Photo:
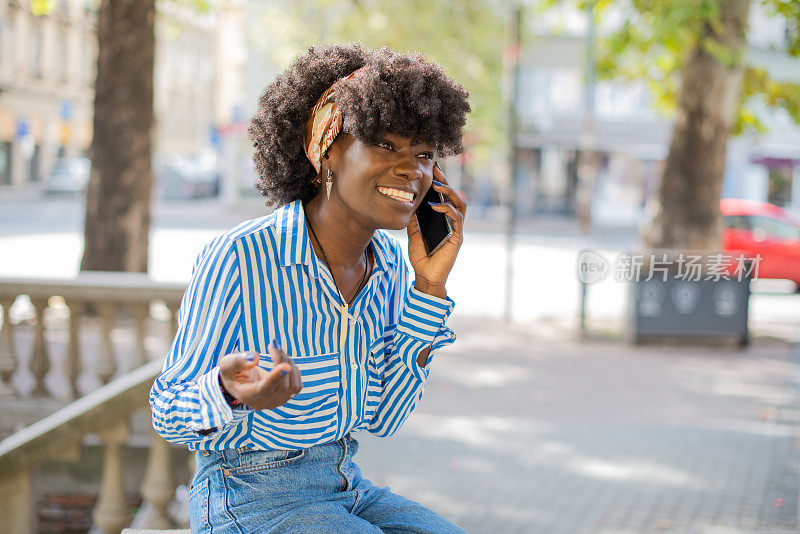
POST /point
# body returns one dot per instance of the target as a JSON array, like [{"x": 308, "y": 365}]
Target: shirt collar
[{"x": 294, "y": 245}]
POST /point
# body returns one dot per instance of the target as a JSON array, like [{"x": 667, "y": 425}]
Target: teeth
[{"x": 397, "y": 194}]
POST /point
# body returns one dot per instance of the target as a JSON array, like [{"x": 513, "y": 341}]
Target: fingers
[
  {"x": 451, "y": 195},
  {"x": 413, "y": 225},
  {"x": 296, "y": 383},
  {"x": 438, "y": 174},
  {"x": 455, "y": 216},
  {"x": 290, "y": 374},
  {"x": 440, "y": 184},
  {"x": 238, "y": 364},
  {"x": 281, "y": 362},
  {"x": 274, "y": 388}
]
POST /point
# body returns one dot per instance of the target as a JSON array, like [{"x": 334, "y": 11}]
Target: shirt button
[{"x": 354, "y": 366}]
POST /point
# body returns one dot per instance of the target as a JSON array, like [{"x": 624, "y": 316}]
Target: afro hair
[{"x": 402, "y": 94}]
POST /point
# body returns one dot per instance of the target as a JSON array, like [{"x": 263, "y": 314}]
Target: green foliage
[
  {"x": 789, "y": 10},
  {"x": 657, "y": 35},
  {"x": 197, "y": 6},
  {"x": 41, "y": 7},
  {"x": 44, "y": 7},
  {"x": 465, "y": 36},
  {"x": 759, "y": 88},
  {"x": 652, "y": 43}
]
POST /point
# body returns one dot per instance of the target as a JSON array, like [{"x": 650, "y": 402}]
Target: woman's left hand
[{"x": 432, "y": 271}]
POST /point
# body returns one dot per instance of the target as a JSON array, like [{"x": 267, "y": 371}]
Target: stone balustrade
[
  {"x": 93, "y": 327},
  {"x": 103, "y": 326}
]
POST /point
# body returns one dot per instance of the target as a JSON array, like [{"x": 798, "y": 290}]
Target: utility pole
[
  {"x": 587, "y": 164},
  {"x": 513, "y": 53}
]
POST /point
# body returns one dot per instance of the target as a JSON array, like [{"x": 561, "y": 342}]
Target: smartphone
[{"x": 435, "y": 227}]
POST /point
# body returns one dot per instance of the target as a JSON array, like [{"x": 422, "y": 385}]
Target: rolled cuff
[
  {"x": 423, "y": 315},
  {"x": 423, "y": 322},
  {"x": 214, "y": 411}
]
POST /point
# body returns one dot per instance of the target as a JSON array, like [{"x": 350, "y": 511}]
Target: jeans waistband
[{"x": 232, "y": 455}]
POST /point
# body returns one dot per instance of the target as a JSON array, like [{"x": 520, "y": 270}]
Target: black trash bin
[{"x": 709, "y": 305}]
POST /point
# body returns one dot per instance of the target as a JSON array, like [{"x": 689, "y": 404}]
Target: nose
[{"x": 409, "y": 167}]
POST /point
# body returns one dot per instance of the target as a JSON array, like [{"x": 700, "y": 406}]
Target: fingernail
[
  {"x": 250, "y": 356},
  {"x": 283, "y": 372},
  {"x": 438, "y": 182},
  {"x": 276, "y": 344},
  {"x": 434, "y": 203}
]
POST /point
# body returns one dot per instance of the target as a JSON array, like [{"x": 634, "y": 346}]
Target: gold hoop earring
[{"x": 329, "y": 184}]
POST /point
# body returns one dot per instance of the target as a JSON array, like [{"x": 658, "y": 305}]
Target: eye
[
  {"x": 426, "y": 155},
  {"x": 385, "y": 144}
]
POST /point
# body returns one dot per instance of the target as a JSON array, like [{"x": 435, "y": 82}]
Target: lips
[{"x": 397, "y": 194}]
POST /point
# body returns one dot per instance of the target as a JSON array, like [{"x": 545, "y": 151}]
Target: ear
[
  {"x": 329, "y": 162},
  {"x": 333, "y": 155}
]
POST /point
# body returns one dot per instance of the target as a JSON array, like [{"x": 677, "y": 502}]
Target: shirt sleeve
[
  {"x": 186, "y": 397},
  {"x": 416, "y": 321}
]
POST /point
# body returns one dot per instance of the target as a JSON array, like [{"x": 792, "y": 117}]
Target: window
[
  {"x": 35, "y": 50},
  {"x": 779, "y": 187},
  {"x": 6, "y": 44},
  {"x": 5, "y": 163},
  {"x": 62, "y": 49},
  {"x": 89, "y": 56},
  {"x": 34, "y": 164},
  {"x": 737, "y": 222},
  {"x": 566, "y": 90},
  {"x": 775, "y": 228}
]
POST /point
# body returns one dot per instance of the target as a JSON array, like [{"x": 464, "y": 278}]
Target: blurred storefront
[{"x": 630, "y": 138}]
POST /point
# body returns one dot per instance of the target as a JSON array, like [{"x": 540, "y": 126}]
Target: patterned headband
[{"x": 324, "y": 123}]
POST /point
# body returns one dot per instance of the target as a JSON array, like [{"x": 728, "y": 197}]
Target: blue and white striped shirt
[{"x": 262, "y": 280}]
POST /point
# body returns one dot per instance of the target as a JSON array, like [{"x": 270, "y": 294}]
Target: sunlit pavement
[
  {"x": 523, "y": 429},
  {"x": 521, "y": 433}
]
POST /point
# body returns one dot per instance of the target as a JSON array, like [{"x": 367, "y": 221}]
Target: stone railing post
[
  {"x": 40, "y": 363},
  {"x": 158, "y": 485},
  {"x": 106, "y": 364},
  {"x": 140, "y": 313},
  {"x": 72, "y": 363},
  {"x": 16, "y": 502},
  {"x": 112, "y": 512},
  {"x": 8, "y": 352}
]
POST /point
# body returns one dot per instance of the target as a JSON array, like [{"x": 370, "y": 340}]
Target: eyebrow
[{"x": 386, "y": 137}]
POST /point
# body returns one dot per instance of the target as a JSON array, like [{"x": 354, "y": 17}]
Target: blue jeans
[{"x": 316, "y": 491}]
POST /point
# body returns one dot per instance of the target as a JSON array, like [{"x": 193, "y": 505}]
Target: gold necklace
[{"x": 344, "y": 304}]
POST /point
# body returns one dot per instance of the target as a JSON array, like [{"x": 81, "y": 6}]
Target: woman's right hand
[{"x": 251, "y": 385}]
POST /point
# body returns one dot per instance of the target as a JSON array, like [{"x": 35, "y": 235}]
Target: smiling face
[{"x": 380, "y": 185}]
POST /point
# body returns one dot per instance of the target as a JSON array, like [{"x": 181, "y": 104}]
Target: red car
[{"x": 759, "y": 228}]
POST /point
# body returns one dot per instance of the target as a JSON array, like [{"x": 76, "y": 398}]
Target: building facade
[
  {"x": 47, "y": 75},
  {"x": 630, "y": 138}
]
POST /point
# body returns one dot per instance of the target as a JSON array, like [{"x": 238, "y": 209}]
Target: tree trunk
[
  {"x": 687, "y": 212},
  {"x": 118, "y": 195}
]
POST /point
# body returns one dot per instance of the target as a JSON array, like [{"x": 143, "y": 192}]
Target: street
[{"x": 42, "y": 237}]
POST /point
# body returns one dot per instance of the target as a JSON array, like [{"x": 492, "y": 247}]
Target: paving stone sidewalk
[{"x": 520, "y": 431}]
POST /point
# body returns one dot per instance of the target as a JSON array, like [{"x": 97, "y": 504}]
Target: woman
[{"x": 345, "y": 144}]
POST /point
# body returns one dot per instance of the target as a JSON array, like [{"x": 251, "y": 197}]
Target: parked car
[
  {"x": 759, "y": 228},
  {"x": 186, "y": 178},
  {"x": 69, "y": 175}
]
